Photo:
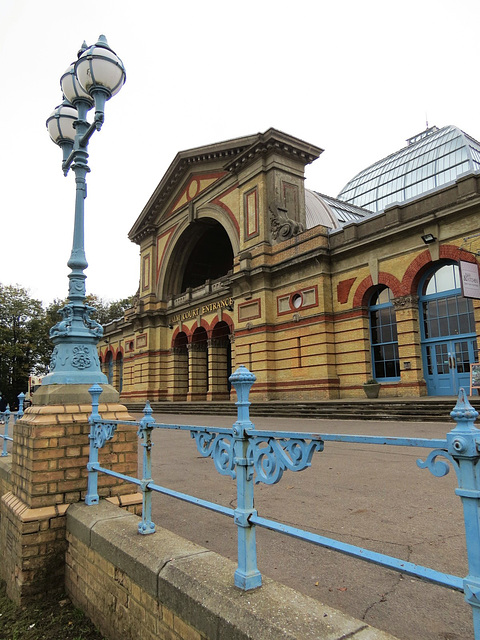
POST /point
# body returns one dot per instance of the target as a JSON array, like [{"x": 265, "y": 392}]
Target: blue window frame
[{"x": 383, "y": 336}]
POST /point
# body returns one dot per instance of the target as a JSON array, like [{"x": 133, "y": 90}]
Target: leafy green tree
[{"x": 22, "y": 333}]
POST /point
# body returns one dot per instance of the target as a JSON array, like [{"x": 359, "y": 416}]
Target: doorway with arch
[
  {"x": 202, "y": 363},
  {"x": 449, "y": 340}
]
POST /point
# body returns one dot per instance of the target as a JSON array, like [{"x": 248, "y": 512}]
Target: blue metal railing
[
  {"x": 252, "y": 456},
  {"x": 5, "y": 420}
]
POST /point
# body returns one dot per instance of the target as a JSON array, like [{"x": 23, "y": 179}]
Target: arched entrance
[
  {"x": 202, "y": 253},
  {"x": 449, "y": 341},
  {"x": 202, "y": 364}
]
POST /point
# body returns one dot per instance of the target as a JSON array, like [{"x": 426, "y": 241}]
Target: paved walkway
[{"x": 370, "y": 496}]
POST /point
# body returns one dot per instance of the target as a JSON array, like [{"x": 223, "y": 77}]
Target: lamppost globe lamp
[
  {"x": 71, "y": 87},
  {"x": 99, "y": 68},
  {"x": 61, "y": 128},
  {"x": 94, "y": 78}
]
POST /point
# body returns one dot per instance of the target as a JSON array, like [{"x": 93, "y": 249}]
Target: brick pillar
[
  {"x": 49, "y": 472},
  {"x": 409, "y": 347}
]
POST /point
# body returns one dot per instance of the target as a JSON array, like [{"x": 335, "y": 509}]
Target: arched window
[
  {"x": 109, "y": 367},
  {"x": 445, "y": 311},
  {"x": 120, "y": 371},
  {"x": 383, "y": 333}
]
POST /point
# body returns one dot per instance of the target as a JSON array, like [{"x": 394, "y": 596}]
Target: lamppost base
[{"x": 71, "y": 394}]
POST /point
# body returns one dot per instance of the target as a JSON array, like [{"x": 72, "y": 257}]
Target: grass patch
[{"x": 52, "y": 618}]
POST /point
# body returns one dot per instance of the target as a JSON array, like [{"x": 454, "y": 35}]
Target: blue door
[{"x": 448, "y": 366}]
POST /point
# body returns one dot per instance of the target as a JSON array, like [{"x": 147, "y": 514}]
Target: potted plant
[{"x": 371, "y": 388}]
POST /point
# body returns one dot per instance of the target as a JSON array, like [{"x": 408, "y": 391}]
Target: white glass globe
[
  {"x": 60, "y": 123},
  {"x": 71, "y": 87},
  {"x": 99, "y": 68}
]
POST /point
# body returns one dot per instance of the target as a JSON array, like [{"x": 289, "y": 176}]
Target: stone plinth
[{"x": 49, "y": 472}]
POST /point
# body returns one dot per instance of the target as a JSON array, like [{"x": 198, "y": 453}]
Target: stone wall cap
[{"x": 197, "y": 584}]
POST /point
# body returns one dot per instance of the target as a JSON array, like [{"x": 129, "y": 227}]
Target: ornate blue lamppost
[{"x": 96, "y": 76}]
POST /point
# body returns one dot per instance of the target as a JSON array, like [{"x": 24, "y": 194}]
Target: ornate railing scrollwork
[
  {"x": 272, "y": 456},
  {"x": 217, "y": 446},
  {"x": 101, "y": 433},
  {"x": 438, "y": 468}
]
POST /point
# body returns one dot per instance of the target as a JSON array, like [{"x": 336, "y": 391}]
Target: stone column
[
  {"x": 409, "y": 346},
  {"x": 179, "y": 373},
  {"x": 197, "y": 371},
  {"x": 217, "y": 369},
  {"x": 48, "y": 474}
]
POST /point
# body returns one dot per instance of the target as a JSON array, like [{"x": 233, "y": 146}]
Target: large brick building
[{"x": 240, "y": 264}]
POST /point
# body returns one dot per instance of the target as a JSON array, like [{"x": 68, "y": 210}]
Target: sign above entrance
[
  {"x": 470, "y": 279},
  {"x": 226, "y": 303}
]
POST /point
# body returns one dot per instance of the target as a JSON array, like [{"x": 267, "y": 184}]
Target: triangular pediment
[
  {"x": 187, "y": 176},
  {"x": 195, "y": 170}
]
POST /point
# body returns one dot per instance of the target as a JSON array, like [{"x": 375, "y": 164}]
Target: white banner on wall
[{"x": 470, "y": 278}]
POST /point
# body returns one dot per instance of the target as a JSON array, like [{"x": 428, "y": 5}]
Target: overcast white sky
[{"x": 355, "y": 78}]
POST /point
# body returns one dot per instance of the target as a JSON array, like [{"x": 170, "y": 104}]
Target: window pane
[
  {"x": 383, "y": 329},
  {"x": 445, "y": 279}
]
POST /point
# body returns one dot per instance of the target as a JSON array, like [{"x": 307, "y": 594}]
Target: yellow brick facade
[{"x": 294, "y": 305}]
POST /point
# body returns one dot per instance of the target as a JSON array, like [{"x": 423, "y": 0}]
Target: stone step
[{"x": 411, "y": 410}]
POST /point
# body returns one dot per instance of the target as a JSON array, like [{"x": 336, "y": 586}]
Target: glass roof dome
[
  {"x": 330, "y": 212},
  {"x": 431, "y": 160}
]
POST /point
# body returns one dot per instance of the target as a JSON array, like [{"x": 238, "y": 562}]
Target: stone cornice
[{"x": 278, "y": 142}]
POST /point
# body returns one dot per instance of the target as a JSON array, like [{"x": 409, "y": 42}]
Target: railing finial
[
  {"x": 242, "y": 381},
  {"x": 463, "y": 413},
  {"x": 95, "y": 391}
]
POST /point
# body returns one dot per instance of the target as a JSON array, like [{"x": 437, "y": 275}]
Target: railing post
[
  {"x": 463, "y": 445},
  {"x": 6, "y": 417},
  {"x": 146, "y": 526},
  {"x": 21, "y": 399},
  {"x": 247, "y": 575},
  {"x": 92, "y": 486}
]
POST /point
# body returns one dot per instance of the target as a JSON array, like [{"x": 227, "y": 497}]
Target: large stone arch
[{"x": 186, "y": 238}]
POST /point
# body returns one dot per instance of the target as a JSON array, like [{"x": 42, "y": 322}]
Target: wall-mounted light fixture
[
  {"x": 170, "y": 326},
  {"x": 428, "y": 238}
]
